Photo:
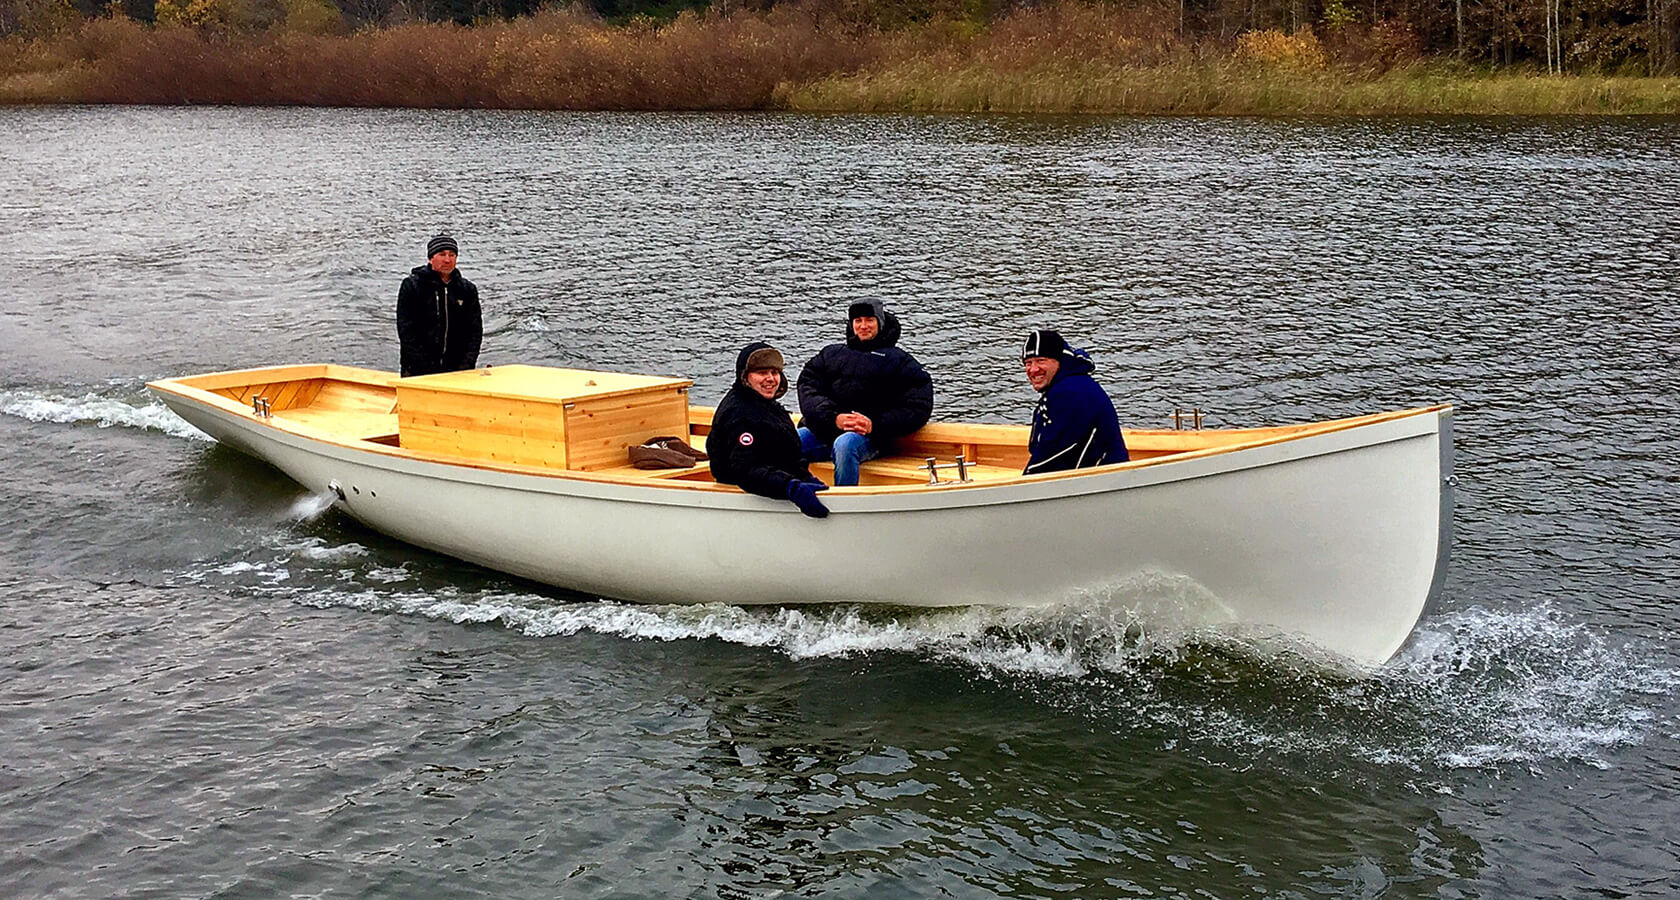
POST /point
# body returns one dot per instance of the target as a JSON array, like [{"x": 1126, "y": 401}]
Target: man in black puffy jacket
[
  {"x": 753, "y": 443},
  {"x": 439, "y": 323},
  {"x": 860, "y": 396}
]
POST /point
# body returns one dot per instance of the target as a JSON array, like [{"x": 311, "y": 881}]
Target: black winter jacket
[
  {"x": 753, "y": 443},
  {"x": 872, "y": 377},
  {"x": 439, "y": 323}
]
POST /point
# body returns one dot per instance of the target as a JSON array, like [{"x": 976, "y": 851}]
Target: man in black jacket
[
  {"x": 439, "y": 323},
  {"x": 860, "y": 396},
  {"x": 752, "y": 442}
]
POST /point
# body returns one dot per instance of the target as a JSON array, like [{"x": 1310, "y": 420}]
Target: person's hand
[
  {"x": 857, "y": 422},
  {"x": 804, "y": 495}
]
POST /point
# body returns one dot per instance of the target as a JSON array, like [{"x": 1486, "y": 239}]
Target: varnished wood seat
[{"x": 356, "y": 425}]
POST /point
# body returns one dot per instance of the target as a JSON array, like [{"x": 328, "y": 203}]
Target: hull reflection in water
[{"x": 1332, "y": 533}]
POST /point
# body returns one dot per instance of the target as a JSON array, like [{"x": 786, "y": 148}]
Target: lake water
[{"x": 212, "y": 686}]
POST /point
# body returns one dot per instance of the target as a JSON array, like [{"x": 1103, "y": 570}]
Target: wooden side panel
[
  {"x": 311, "y": 389},
  {"x": 222, "y": 381},
  {"x": 353, "y": 397},
  {"x": 478, "y": 427},
  {"x": 987, "y": 445},
  {"x": 285, "y": 395},
  {"x": 281, "y": 395},
  {"x": 240, "y": 386},
  {"x": 600, "y": 431}
]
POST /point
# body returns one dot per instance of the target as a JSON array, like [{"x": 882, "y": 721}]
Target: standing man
[
  {"x": 1074, "y": 425},
  {"x": 860, "y": 396},
  {"x": 752, "y": 442},
  {"x": 438, "y": 319}
]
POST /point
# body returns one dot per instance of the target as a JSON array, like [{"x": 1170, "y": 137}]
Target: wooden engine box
[{"x": 539, "y": 416}]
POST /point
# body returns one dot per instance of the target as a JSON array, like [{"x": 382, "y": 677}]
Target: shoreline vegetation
[{"x": 1060, "y": 56}]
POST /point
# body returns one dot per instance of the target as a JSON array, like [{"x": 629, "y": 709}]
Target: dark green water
[{"x": 211, "y": 687}]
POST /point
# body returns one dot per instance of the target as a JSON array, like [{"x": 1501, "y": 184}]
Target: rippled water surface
[{"x": 214, "y": 686}]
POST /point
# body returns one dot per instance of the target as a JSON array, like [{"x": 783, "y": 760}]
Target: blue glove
[{"x": 804, "y": 495}]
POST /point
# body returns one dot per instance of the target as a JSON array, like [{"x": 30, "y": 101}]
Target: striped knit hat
[
  {"x": 439, "y": 244},
  {"x": 1043, "y": 342}
]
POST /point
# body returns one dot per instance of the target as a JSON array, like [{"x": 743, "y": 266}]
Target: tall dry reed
[
  {"x": 557, "y": 60},
  {"x": 1056, "y": 57}
]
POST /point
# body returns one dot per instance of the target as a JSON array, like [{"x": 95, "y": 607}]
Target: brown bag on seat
[
  {"x": 664, "y": 452},
  {"x": 677, "y": 444}
]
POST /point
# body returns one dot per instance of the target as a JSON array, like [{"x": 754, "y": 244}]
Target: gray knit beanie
[{"x": 439, "y": 244}]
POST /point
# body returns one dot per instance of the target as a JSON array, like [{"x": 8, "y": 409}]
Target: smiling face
[
  {"x": 765, "y": 382},
  {"x": 1041, "y": 370},
  {"x": 866, "y": 327}
]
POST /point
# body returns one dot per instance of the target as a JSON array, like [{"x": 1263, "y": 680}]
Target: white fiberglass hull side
[{"x": 1336, "y": 538}]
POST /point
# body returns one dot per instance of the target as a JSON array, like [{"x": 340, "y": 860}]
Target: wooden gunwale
[{"x": 211, "y": 389}]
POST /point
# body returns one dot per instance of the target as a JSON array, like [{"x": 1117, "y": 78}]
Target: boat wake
[
  {"x": 95, "y": 409},
  {"x": 1475, "y": 688}
]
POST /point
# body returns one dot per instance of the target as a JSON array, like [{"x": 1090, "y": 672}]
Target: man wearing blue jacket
[{"x": 1074, "y": 425}]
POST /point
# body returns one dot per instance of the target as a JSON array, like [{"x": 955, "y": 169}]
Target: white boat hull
[{"x": 1338, "y": 540}]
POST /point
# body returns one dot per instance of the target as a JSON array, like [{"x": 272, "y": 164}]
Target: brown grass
[
  {"x": 1061, "y": 57},
  {"x": 557, "y": 60}
]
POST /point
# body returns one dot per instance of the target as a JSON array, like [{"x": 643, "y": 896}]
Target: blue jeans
[{"x": 850, "y": 450}]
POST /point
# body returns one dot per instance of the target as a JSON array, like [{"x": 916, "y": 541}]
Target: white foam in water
[
  {"x": 389, "y": 575},
  {"x": 267, "y": 574},
  {"x": 318, "y": 549},
  {"x": 1475, "y": 688},
  {"x": 1530, "y": 685},
  {"x": 93, "y": 409},
  {"x": 1058, "y": 642}
]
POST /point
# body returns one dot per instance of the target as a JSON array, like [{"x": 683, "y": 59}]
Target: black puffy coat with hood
[
  {"x": 873, "y": 377},
  {"x": 753, "y": 443},
  {"x": 439, "y": 323}
]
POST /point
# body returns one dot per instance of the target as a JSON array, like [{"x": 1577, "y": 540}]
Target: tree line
[{"x": 1621, "y": 37}]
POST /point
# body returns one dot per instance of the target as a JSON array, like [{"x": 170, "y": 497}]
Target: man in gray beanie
[{"x": 439, "y": 323}]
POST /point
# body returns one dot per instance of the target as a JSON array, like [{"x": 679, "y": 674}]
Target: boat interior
[{"x": 526, "y": 417}]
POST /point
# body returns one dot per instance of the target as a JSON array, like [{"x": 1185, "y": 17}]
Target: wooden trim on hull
[{"x": 353, "y": 407}]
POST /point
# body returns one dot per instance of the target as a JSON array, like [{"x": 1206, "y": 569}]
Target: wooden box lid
[{"x": 541, "y": 383}]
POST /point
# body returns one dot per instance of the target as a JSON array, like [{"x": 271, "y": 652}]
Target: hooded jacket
[
  {"x": 753, "y": 443},
  {"x": 1074, "y": 424},
  {"x": 439, "y": 324},
  {"x": 872, "y": 377}
]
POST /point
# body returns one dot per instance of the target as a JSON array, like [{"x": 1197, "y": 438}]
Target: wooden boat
[{"x": 1333, "y": 533}]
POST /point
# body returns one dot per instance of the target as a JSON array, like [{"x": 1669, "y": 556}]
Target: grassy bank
[
  {"x": 1222, "y": 88},
  {"x": 1067, "y": 57}
]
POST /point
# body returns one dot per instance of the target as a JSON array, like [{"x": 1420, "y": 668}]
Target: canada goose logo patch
[{"x": 746, "y": 439}]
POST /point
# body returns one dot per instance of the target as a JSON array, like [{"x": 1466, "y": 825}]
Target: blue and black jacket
[{"x": 1074, "y": 425}]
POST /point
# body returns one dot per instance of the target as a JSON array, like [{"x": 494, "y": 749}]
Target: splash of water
[
  {"x": 310, "y": 507},
  {"x": 93, "y": 409},
  {"x": 1475, "y": 688}
]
